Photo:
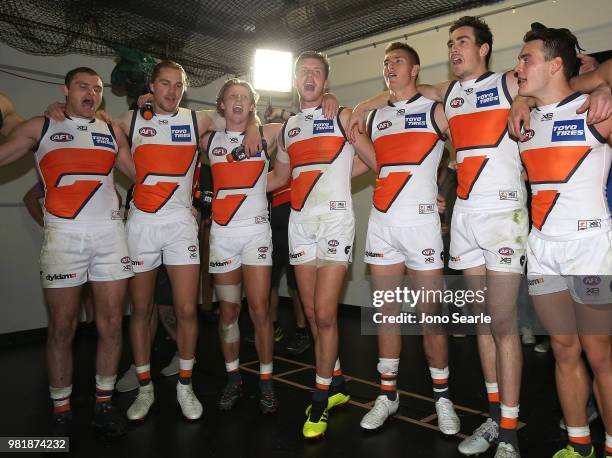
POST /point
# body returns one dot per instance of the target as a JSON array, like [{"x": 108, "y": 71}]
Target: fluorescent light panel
[{"x": 273, "y": 70}]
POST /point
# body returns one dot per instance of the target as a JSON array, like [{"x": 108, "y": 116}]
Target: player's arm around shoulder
[
  {"x": 124, "y": 162},
  {"x": 23, "y": 139}
]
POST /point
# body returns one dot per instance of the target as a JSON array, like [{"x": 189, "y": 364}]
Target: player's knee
[
  {"x": 185, "y": 311},
  {"x": 61, "y": 331},
  {"x": 259, "y": 312},
  {"x": 325, "y": 318},
  {"x": 229, "y": 293},
  {"x": 567, "y": 351},
  {"x": 599, "y": 358}
]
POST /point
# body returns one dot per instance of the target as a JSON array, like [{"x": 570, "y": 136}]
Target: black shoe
[
  {"x": 107, "y": 421},
  {"x": 230, "y": 397},
  {"x": 278, "y": 336},
  {"x": 299, "y": 344},
  {"x": 268, "y": 402},
  {"x": 62, "y": 425}
]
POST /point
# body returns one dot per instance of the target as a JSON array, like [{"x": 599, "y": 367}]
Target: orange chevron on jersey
[
  {"x": 312, "y": 151},
  {"x": 66, "y": 201},
  {"x": 233, "y": 175},
  {"x": 159, "y": 161},
  {"x": 390, "y": 151},
  {"x": 550, "y": 165},
  {"x": 482, "y": 129},
  {"x": 468, "y": 172}
]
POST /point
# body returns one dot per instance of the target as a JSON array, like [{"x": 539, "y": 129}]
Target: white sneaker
[
  {"x": 542, "y": 347},
  {"x": 383, "y": 409},
  {"x": 143, "y": 402},
  {"x": 128, "y": 381},
  {"x": 481, "y": 439},
  {"x": 191, "y": 407},
  {"x": 172, "y": 368},
  {"x": 527, "y": 336},
  {"x": 505, "y": 450},
  {"x": 448, "y": 421}
]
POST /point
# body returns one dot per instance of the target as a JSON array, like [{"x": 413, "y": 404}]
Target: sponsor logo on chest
[
  {"x": 180, "y": 133},
  {"x": 103, "y": 140},
  {"x": 570, "y": 130},
  {"x": 322, "y": 126},
  {"x": 487, "y": 98},
  {"x": 418, "y": 120}
]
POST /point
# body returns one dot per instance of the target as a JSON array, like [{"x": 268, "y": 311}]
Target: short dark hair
[
  {"x": 168, "y": 64},
  {"x": 482, "y": 32},
  {"x": 558, "y": 43},
  {"x": 398, "y": 45},
  {"x": 314, "y": 55},
  {"x": 235, "y": 82},
  {"x": 72, "y": 73}
]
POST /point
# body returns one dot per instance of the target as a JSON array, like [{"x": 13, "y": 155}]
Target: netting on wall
[{"x": 209, "y": 38}]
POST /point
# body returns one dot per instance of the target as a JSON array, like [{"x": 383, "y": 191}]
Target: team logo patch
[
  {"x": 546, "y": 117},
  {"x": 508, "y": 195},
  {"x": 322, "y": 126},
  {"x": 293, "y": 132},
  {"x": 126, "y": 260},
  {"x": 103, "y": 140},
  {"x": 487, "y": 98},
  {"x": 262, "y": 249},
  {"x": 570, "y": 130},
  {"x": 192, "y": 248},
  {"x": 62, "y": 137},
  {"x": 333, "y": 243},
  {"x": 415, "y": 120},
  {"x": 506, "y": 251},
  {"x": 337, "y": 205},
  {"x": 180, "y": 133},
  {"x": 147, "y": 132},
  {"x": 219, "y": 151},
  {"x": 591, "y": 280},
  {"x": 82, "y": 128},
  {"x": 457, "y": 102},
  {"x": 384, "y": 125},
  {"x": 234, "y": 140},
  {"x": 309, "y": 117},
  {"x": 428, "y": 252}
]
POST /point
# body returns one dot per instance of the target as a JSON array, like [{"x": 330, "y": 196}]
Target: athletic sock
[
  {"x": 439, "y": 377},
  {"x": 61, "y": 399},
  {"x": 319, "y": 397},
  {"x": 494, "y": 405},
  {"x": 233, "y": 372},
  {"x": 265, "y": 376},
  {"x": 185, "y": 370},
  {"x": 105, "y": 384},
  {"x": 337, "y": 380},
  {"x": 144, "y": 374},
  {"x": 580, "y": 439},
  {"x": 387, "y": 368},
  {"x": 508, "y": 425},
  {"x": 608, "y": 446}
]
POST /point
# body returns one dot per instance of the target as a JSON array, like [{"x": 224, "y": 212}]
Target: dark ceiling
[{"x": 209, "y": 38}]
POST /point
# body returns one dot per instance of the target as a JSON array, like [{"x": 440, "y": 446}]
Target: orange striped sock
[
  {"x": 265, "y": 375},
  {"x": 439, "y": 377},
  {"x": 387, "y": 368},
  {"x": 143, "y": 373},
  {"x": 580, "y": 439},
  {"x": 61, "y": 399},
  {"x": 185, "y": 370},
  {"x": 105, "y": 384},
  {"x": 337, "y": 382},
  {"x": 508, "y": 424},
  {"x": 608, "y": 445}
]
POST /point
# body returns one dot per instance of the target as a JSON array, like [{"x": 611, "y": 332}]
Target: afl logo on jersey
[
  {"x": 62, "y": 137},
  {"x": 506, "y": 251},
  {"x": 219, "y": 151},
  {"x": 293, "y": 132},
  {"x": 384, "y": 125},
  {"x": 456, "y": 102},
  {"x": 591, "y": 280},
  {"x": 529, "y": 133},
  {"x": 147, "y": 132},
  {"x": 428, "y": 252}
]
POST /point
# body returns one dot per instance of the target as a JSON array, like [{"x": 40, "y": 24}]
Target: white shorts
[
  {"x": 230, "y": 247},
  {"x": 496, "y": 240},
  {"x": 584, "y": 266},
  {"x": 330, "y": 240},
  {"x": 418, "y": 247},
  {"x": 174, "y": 243},
  {"x": 71, "y": 258}
]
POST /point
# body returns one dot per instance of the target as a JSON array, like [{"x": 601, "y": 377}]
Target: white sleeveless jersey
[
  {"x": 488, "y": 163},
  {"x": 165, "y": 152},
  {"x": 321, "y": 161},
  {"x": 75, "y": 158},
  {"x": 239, "y": 187},
  {"x": 568, "y": 163},
  {"x": 408, "y": 146}
]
